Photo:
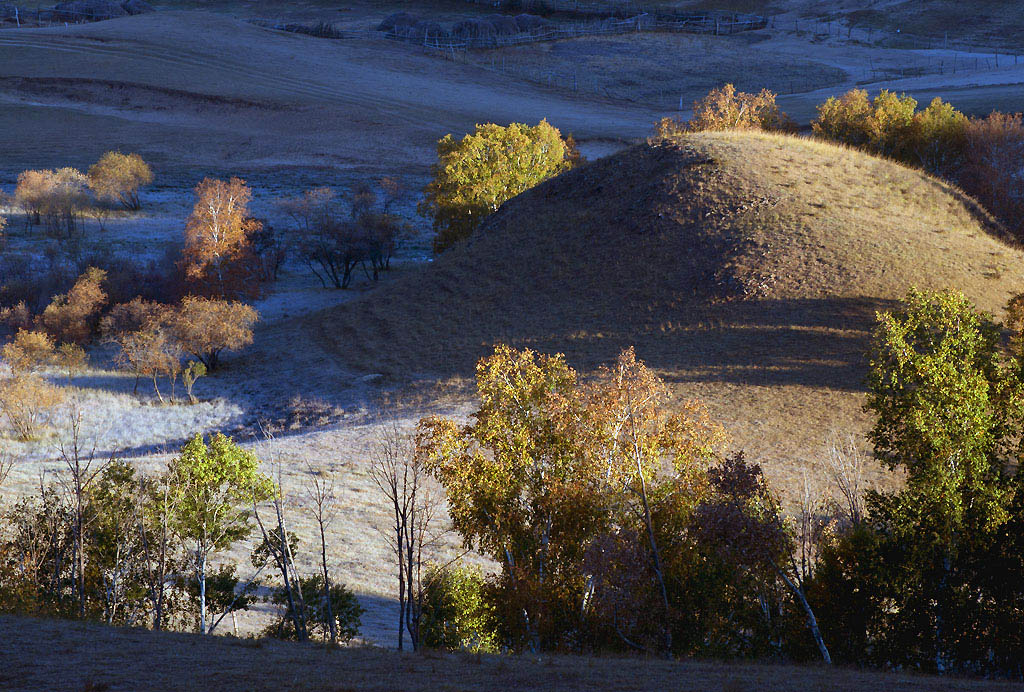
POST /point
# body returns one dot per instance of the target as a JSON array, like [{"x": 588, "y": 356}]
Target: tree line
[
  {"x": 617, "y": 517},
  {"x": 101, "y": 540},
  {"x": 620, "y": 522}
]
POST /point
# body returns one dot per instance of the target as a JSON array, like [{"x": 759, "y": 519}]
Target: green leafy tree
[
  {"x": 456, "y": 613},
  {"x": 475, "y": 176},
  {"x": 214, "y": 487},
  {"x": 114, "y": 547},
  {"x": 913, "y": 585}
]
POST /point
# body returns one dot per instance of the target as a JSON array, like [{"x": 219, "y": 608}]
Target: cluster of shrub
[
  {"x": 619, "y": 524},
  {"x": 154, "y": 340},
  {"x": 103, "y": 541},
  {"x": 981, "y": 155}
]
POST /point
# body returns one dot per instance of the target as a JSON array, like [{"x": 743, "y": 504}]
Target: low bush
[
  {"x": 456, "y": 615},
  {"x": 27, "y": 400}
]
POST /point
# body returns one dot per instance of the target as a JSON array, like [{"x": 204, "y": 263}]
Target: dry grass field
[
  {"x": 746, "y": 270},
  {"x": 88, "y": 658}
]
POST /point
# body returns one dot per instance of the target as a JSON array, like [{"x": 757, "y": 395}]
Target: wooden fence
[{"x": 696, "y": 23}]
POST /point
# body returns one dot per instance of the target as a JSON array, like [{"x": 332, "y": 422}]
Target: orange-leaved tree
[
  {"x": 218, "y": 260},
  {"x": 73, "y": 316},
  {"x": 204, "y": 327}
]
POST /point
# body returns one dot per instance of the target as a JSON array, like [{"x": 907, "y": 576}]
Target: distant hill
[{"x": 746, "y": 268}]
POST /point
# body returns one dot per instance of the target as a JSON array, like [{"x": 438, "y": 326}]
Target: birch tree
[{"x": 212, "y": 489}]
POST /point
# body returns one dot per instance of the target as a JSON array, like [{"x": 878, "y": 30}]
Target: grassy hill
[
  {"x": 746, "y": 268},
  {"x": 62, "y": 655}
]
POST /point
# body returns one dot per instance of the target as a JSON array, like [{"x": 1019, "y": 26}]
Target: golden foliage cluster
[
  {"x": 477, "y": 174},
  {"x": 118, "y": 177},
  {"x": 218, "y": 256},
  {"x": 728, "y": 109}
]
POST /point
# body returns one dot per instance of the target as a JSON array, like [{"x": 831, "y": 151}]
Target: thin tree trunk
[
  {"x": 812, "y": 622},
  {"x": 202, "y": 592},
  {"x": 655, "y": 553},
  {"x": 332, "y": 626}
]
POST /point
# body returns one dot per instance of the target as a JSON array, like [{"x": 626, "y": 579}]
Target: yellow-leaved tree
[
  {"x": 477, "y": 174},
  {"x": 117, "y": 177}
]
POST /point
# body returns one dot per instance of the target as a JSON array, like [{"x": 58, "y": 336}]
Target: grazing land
[{"x": 746, "y": 269}]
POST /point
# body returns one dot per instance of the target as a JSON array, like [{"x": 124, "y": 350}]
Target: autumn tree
[
  {"x": 66, "y": 197},
  {"x": 218, "y": 259},
  {"x": 74, "y": 316},
  {"x": 891, "y": 125},
  {"x": 31, "y": 193},
  {"x": 28, "y": 351},
  {"x": 521, "y": 489},
  {"x": 477, "y": 174},
  {"x": 147, "y": 345},
  {"x": 56, "y": 196},
  {"x": 727, "y": 109},
  {"x": 213, "y": 487},
  {"x": 650, "y": 455},
  {"x": 117, "y": 177},
  {"x": 205, "y": 327},
  {"x": 26, "y": 398}
]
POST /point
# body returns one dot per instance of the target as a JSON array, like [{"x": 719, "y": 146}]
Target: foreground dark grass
[{"x": 59, "y": 655}]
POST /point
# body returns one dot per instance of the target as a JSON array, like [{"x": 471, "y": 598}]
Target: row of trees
[
  {"x": 103, "y": 541},
  {"x": 60, "y": 197},
  {"x": 228, "y": 253},
  {"x": 981, "y": 155},
  {"x": 618, "y": 523}
]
